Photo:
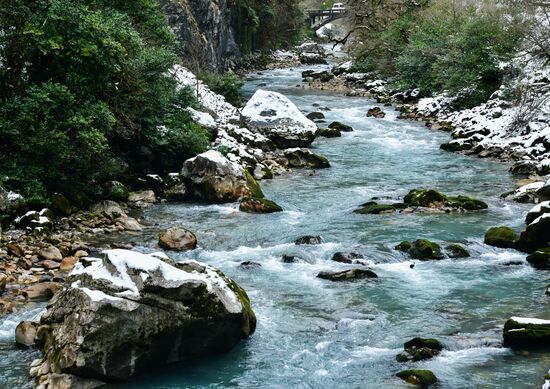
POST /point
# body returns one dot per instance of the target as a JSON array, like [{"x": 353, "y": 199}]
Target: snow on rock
[
  {"x": 130, "y": 311},
  {"x": 528, "y": 320},
  {"x": 276, "y": 117},
  {"x": 527, "y": 193}
]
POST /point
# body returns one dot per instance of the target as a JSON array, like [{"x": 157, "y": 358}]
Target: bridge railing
[{"x": 325, "y": 12}]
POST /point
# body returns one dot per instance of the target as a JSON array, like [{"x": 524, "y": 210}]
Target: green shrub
[{"x": 228, "y": 85}]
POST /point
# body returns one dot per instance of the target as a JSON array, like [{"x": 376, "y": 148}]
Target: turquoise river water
[{"x": 318, "y": 334}]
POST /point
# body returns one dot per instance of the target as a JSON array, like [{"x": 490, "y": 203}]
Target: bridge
[{"x": 320, "y": 17}]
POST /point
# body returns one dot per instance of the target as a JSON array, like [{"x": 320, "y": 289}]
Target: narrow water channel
[{"x": 314, "y": 333}]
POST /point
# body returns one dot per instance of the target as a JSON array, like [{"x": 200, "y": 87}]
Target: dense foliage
[
  {"x": 263, "y": 25},
  {"x": 439, "y": 45},
  {"x": 228, "y": 85},
  {"x": 85, "y": 96}
]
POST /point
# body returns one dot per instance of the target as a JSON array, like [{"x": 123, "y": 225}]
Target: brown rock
[
  {"x": 40, "y": 291},
  {"x": 81, "y": 253},
  {"x": 49, "y": 264},
  {"x": 24, "y": 263},
  {"x": 177, "y": 238},
  {"x": 6, "y": 307},
  {"x": 15, "y": 249},
  {"x": 51, "y": 252},
  {"x": 68, "y": 263},
  {"x": 25, "y": 332},
  {"x": 3, "y": 282},
  {"x": 376, "y": 112}
]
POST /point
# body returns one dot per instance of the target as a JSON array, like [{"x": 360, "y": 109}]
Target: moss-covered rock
[
  {"x": 347, "y": 275},
  {"x": 60, "y": 205},
  {"x": 457, "y": 251},
  {"x": 421, "y": 249},
  {"x": 253, "y": 186},
  {"x": 424, "y": 342},
  {"x": 258, "y": 205},
  {"x": 432, "y": 198},
  {"x": 540, "y": 259},
  {"x": 373, "y": 208},
  {"x": 418, "y": 349},
  {"x": 340, "y": 127},
  {"x": 424, "y": 198},
  {"x": 116, "y": 191},
  {"x": 304, "y": 158},
  {"x": 329, "y": 133},
  {"x": 526, "y": 333},
  {"x": 503, "y": 237},
  {"x": 423, "y": 378}
]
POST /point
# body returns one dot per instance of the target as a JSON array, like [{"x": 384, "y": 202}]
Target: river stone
[
  {"x": 537, "y": 211},
  {"x": 315, "y": 116},
  {"x": 178, "y": 239},
  {"x": 50, "y": 252},
  {"x": 376, "y": 112},
  {"x": 419, "y": 349},
  {"x": 42, "y": 291},
  {"x": 350, "y": 258},
  {"x": 67, "y": 264},
  {"x": 250, "y": 265},
  {"x": 329, "y": 133},
  {"x": 457, "y": 251},
  {"x": 536, "y": 235},
  {"x": 276, "y": 117},
  {"x": 116, "y": 191},
  {"x": 309, "y": 239},
  {"x": 503, "y": 237},
  {"x": 431, "y": 198},
  {"x": 108, "y": 208},
  {"x": 175, "y": 189},
  {"x": 421, "y": 249},
  {"x": 422, "y": 378},
  {"x": 304, "y": 158},
  {"x": 142, "y": 196},
  {"x": 347, "y": 275},
  {"x": 25, "y": 333},
  {"x": 256, "y": 205},
  {"x": 373, "y": 208},
  {"x": 340, "y": 127},
  {"x": 132, "y": 312},
  {"x": 520, "y": 333},
  {"x": 212, "y": 177}
]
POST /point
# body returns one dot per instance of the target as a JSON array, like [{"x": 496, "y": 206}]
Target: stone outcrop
[{"x": 126, "y": 312}]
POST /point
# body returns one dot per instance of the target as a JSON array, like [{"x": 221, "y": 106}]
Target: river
[{"x": 314, "y": 333}]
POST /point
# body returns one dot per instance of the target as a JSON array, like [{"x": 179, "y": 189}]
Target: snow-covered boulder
[
  {"x": 276, "y": 117},
  {"x": 212, "y": 177},
  {"x": 126, "y": 312},
  {"x": 523, "y": 332},
  {"x": 526, "y": 193},
  {"x": 537, "y": 234},
  {"x": 10, "y": 203}
]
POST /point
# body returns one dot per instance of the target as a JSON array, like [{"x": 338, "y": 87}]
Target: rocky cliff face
[{"x": 203, "y": 27}]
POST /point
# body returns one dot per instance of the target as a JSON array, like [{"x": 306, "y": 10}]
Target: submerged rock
[
  {"x": 258, "y": 205},
  {"x": 521, "y": 332},
  {"x": 276, "y": 117},
  {"x": 422, "y": 378},
  {"x": 329, "y": 133},
  {"x": 351, "y": 258},
  {"x": 250, "y": 265},
  {"x": 309, "y": 239},
  {"x": 503, "y": 237},
  {"x": 347, "y": 275},
  {"x": 419, "y": 349},
  {"x": 373, "y": 208},
  {"x": 178, "y": 239},
  {"x": 376, "y": 112},
  {"x": 212, "y": 177},
  {"x": 315, "y": 116},
  {"x": 340, "y": 127},
  {"x": 421, "y": 249},
  {"x": 431, "y": 198},
  {"x": 131, "y": 312},
  {"x": 304, "y": 158}
]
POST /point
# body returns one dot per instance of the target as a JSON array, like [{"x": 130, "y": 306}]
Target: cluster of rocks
[
  {"x": 424, "y": 250},
  {"x": 424, "y": 200},
  {"x": 419, "y": 349}
]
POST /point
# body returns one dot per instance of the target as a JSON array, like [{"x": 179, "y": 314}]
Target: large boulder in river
[
  {"x": 431, "y": 198},
  {"x": 347, "y": 275},
  {"x": 212, "y": 177},
  {"x": 421, "y": 249},
  {"x": 419, "y": 349},
  {"x": 127, "y": 312},
  {"x": 420, "y": 378},
  {"x": 503, "y": 237},
  {"x": 258, "y": 205},
  {"x": 522, "y": 332},
  {"x": 537, "y": 234},
  {"x": 276, "y": 117}
]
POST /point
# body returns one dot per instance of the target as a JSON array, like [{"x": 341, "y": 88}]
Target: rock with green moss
[
  {"x": 132, "y": 312},
  {"x": 431, "y": 198},
  {"x": 212, "y": 177},
  {"x": 422, "y": 378},
  {"x": 304, "y": 158},
  {"x": 60, "y": 205},
  {"x": 525, "y": 333},
  {"x": 373, "y": 208},
  {"x": 503, "y": 237},
  {"x": 340, "y": 127},
  {"x": 421, "y": 249},
  {"x": 457, "y": 251},
  {"x": 256, "y": 205},
  {"x": 329, "y": 133},
  {"x": 347, "y": 275},
  {"x": 116, "y": 191},
  {"x": 540, "y": 259},
  {"x": 419, "y": 349}
]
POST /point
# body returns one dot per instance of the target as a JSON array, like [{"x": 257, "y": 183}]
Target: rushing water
[{"x": 318, "y": 334}]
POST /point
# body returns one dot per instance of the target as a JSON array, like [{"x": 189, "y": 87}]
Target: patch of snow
[{"x": 528, "y": 320}]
